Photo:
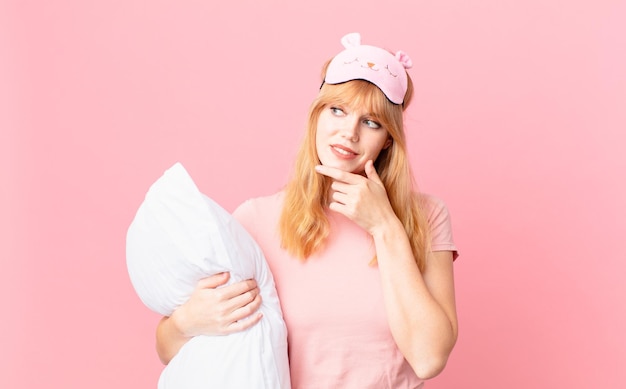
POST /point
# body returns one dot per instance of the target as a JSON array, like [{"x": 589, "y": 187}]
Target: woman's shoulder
[
  {"x": 433, "y": 205},
  {"x": 258, "y": 206},
  {"x": 263, "y": 202}
]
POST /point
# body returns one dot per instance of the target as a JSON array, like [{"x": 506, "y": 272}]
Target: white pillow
[{"x": 179, "y": 236}]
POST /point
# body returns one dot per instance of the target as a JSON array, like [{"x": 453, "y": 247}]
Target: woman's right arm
[{"x": 209, "y": 311}]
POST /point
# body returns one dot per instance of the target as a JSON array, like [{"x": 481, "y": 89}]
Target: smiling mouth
[{"x": 343, "y": 150}]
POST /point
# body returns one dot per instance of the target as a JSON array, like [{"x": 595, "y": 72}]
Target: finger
[
  {"x": 241, "y": 300},
  {"x": 244, "y": 324},
  {"x": 213, "y": 281},
  {"x": 339, "y": 208},
  {"x": 236, "y": 289},
  {"x": 371, "y": 173},
  {"x": 340, "y": 197},
  {"x": 247, "y": 309},
  {"x": 337, "y": 174},
  {"x": 340, "y": 187}
]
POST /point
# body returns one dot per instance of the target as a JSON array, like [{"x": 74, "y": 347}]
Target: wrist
[
  {"x": 178, "y": 323},
  {"x": 387, "y": 229}
]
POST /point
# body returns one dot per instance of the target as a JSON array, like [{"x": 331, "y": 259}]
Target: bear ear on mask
[{"x": 370, "y": 63}]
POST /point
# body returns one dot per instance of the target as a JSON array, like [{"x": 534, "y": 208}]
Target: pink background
[{"x": 518, "y": 124}]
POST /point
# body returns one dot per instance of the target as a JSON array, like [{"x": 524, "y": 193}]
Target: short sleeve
[
  {"x": 440, "y": 226},
  {"x": 259, "y": 214},
  {"x": 245, "y": 214}
]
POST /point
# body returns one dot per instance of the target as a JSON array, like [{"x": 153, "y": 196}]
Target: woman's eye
[
  {"x": 371, "y": 123},
  {"x": 337, "y": 111}
]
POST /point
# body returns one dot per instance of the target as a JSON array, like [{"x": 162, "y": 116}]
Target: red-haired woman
[{"x": 363, "y": 263}]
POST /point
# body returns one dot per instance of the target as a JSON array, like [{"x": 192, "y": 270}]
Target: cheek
[
  {"x": 377, "y": 144},
  {"x": 319, "y": 136},
  {"x": 323, "y": 131},
  {"x": 318, "y": 146},
  {"x": 320, "y": 141}
]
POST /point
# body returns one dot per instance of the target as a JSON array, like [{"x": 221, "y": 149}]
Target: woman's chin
[{"x": 345, "y": 166}]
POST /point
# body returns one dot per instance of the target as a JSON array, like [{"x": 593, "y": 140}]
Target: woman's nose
[{"x": 350, "y": 130}]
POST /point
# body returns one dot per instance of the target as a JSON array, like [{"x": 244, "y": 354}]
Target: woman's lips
[{"x": 343, "y": 152}]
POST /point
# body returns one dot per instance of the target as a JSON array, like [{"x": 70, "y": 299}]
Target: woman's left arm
[{"x": 421, "y": 307}]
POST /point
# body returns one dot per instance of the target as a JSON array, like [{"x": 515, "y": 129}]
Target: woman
[{"x": 362, "y": 264}]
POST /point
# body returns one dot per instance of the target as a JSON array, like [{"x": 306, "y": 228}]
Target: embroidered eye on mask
[{"x": 373, "y": 64}]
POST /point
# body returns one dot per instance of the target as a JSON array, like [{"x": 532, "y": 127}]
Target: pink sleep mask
[{"x": 370, "y": 63}]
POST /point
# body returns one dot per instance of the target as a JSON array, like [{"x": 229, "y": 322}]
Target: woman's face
[{"x": 347, "y": 137}]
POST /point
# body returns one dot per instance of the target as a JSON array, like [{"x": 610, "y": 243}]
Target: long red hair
[{"x": 303, "y": 225}]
